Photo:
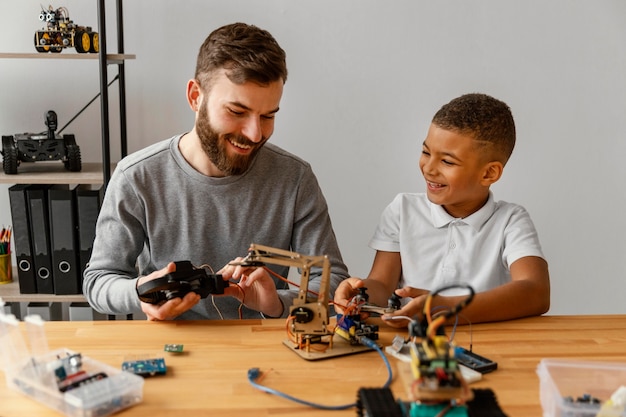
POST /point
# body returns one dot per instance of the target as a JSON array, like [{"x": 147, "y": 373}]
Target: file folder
[
  {"x": 21, "y": 239},
  {"x": 37, "y": 196},
  {"x": 88, "y": 202},
  {"x": 63, "y": 240}
]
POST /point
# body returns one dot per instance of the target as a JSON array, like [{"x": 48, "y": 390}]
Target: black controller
[{"x": 179, "y": 283}]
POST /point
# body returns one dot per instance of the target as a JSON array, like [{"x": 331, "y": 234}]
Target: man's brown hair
[{"x": 247, "y": 52}]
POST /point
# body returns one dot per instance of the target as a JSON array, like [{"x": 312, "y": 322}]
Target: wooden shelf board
[
  {"x": 10, "y": 293},
  {"x": 54, "y": 172},
  {"x": 64, "y": 55}
]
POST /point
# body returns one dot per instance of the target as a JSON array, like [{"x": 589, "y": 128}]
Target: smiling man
[{"x": 206, "y": 195}]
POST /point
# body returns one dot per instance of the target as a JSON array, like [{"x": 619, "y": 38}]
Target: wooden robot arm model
[{"x": 310, "y": 317}]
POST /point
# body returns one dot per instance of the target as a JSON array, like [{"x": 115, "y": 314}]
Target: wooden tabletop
[{"x": 210, "y": 376}]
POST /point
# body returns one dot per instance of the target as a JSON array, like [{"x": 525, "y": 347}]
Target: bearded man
[{"x": 206, "y": 195}]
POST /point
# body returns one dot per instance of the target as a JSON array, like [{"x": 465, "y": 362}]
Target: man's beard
[{"x": 214, "y": 144}]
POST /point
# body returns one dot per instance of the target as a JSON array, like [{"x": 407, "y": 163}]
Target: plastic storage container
[
  {"x": 101, "y": 397},
  {"x": 41, "y": 374},
  {"x": 570, "y": 388}
]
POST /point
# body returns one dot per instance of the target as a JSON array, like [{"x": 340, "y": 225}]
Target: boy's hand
[
  {"x": 411, "y": 292},
  {"x": 346, "y": 290},
  {"x": 412, "y": 309},
  {"x": 171, "y": 308}
]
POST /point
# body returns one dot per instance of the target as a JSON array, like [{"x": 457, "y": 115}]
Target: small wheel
[
  {"x": 72, "y": 161},
  {"x": 95, "y": 43},
  {"x": 44, "y": 42},
  {"x": 38, "y": 47},
  {"x": 9, "y": 156},
  {"x": 82, "y": 42}
]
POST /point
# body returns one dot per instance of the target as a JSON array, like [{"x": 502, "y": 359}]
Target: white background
[{"x": 365, "y": 78}]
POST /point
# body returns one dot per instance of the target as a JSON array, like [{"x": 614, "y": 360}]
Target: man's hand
[
  {"x": 170, "y": 309},
  {"x": 255, "y": 288}
]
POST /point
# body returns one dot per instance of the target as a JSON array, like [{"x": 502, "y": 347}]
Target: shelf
[
  {"x": 111, "y": 58},
  {"x": 54, "y": 172},
  {"x": 10, "y": 293}
]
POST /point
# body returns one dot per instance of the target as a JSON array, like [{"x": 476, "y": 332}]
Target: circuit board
[{"x": 146, "y": 367}]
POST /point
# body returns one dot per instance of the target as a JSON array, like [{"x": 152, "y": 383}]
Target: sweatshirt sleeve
[{"x": 110, "y": 279}]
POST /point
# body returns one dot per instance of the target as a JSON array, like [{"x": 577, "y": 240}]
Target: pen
[{"x": 5, "y": 241}]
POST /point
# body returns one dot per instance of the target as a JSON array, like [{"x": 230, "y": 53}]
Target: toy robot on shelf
[
  {"x": 46, "y": 146},
  {"x": 61, "y": 32}
]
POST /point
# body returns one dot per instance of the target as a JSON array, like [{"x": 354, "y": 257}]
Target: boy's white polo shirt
[{"x": 439, "y": 250}]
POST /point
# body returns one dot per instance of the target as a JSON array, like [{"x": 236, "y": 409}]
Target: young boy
[{"x": 456, "y": 233}]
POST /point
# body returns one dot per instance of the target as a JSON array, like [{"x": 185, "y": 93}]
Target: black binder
[
  {"x": 63, "y": 240},
  {"x": 88, "y": 201},
  {"x": 21, "y": 239},
  {"x": 37, "y": 197}
]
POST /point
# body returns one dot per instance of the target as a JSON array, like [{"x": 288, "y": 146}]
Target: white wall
[{"x": 365, "y": 79}]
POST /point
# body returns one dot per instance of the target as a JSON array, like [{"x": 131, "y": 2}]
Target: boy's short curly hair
[
  {"x": 247, "y": 52},
  {"x": 484, "y": 118}
]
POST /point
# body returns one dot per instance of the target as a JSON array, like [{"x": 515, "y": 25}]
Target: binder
[
  {"x": 21, "y": 239},
  {"x": 37, "y": 197},
  {"x": 63, "y": 240},
  {"x": 88, "y": 202}
]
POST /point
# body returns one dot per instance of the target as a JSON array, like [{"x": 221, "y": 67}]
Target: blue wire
[{"x": 254, "y": 373}]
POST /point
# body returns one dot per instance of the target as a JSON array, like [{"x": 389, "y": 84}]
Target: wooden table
[{"x": 210, "y": 377}]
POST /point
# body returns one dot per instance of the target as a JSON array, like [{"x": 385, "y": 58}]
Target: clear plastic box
[
  {"x": 570, "y": 388},
  {"x": 35, "y": 372}
]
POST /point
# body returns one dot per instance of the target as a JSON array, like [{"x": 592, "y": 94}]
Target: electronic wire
[
  {"x": 454, "y": 326},
  {"x": 255, "y": 373},
  {"x": 85, "y": 108},
  {"x": 216, "y": 308}
]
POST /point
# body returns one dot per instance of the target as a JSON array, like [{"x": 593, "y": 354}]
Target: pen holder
[{"x": 6, "y": 269}]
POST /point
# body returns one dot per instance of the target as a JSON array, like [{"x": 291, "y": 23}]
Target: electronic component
[
  {"x": 436, "y": 372},
  {"x": 399, "y": 349},
  {"x": 80, "y": 379},
  {"x": 173, "y": 348},
  {"x": 434, "y": 365},
  {"x": 360, "y": 304},
  {"x": 146, "y": 367},
  {"x": 69, "y": 373},
  {"x": 352, "y": 329},
  {"x": 309, "y": 318},
  {"x": 179, "y": 283},
  {"x": 393, "y": 304},
  {"x": 65, "y": 366},
  {"x": 437, "y": 383},
  {"x": 474, "y": 361}
]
